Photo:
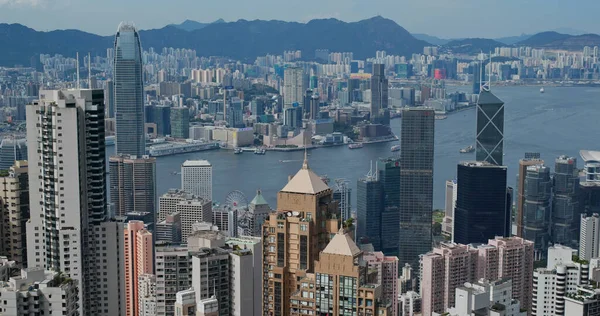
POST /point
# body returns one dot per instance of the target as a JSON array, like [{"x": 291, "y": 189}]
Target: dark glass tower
[
  {"x": 389, "y": 175},
  {"x": 129, "y": 92},
  {"x": 565, "y": 203},
  {"x": 379, "y": 95},
  {"x": 481, "y": 211},
  {"x": 369, "y": 206},
  {"x": 537, "y": 189},
  {"x": 416, "y": 184},
  {"x": 490, "y": 128}
]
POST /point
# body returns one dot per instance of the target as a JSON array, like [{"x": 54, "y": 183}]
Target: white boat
[
  {"x": 395, "y": 148},
  {"x": 542, "y": 90},
  {"x": 355, "y": 145},
  {"x": 237, "y": 151},
  {"x": 468, "y": 149},
  {"x": 260, "y": 151}
]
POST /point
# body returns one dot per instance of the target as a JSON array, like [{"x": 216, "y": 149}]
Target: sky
[{"x": 442, "y": 18}]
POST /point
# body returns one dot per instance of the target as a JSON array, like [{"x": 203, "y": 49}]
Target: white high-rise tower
[{"x": 196, "y": 178}]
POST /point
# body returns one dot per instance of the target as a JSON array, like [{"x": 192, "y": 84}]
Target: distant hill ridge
[{"x": 242, "y": 39}]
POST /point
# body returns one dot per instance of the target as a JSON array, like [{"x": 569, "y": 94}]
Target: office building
[
  {"x": 589, "y": 237},
  {"x": 450, "y": 204},
  {"x": 305, "y": 208},
  {"x": 147, "y": 294},
  {"x": 340, "y": 284},
  {"x": 38, "y": 291},
  {"x": 450, "y": 265},
  {"x": 65, "y": 133},
  {"x": 369, "y": 207},
  {"x": 293, "y": 87},
  {"x": 560, "y": 278},
  {"x": 486, "y": 298},
  {"x": 379, "y": 95},
  {"x": 180, "y": 122},
  {"x": 132, "y": 184},
  {"x": 292, "y": 117},
  {"x": 342, "y": 193},
  {"x": 109, "y": 99},
  {"x": 314, "y": 107},
  {"x": 14, "y": 206},
  {"x": 585, "y": 303},
  {"x": 169, "y": 230},
  {"x": 416, "y": 179},
  {"x": 225, "y": 218},
  {"x": 170, "y": 280},
  {"x": 191, "y": 209},
  {"x": 139, "y": 259},
  {"x": 536, "y": 207},
  {"x": 129, "y": 92},
  {"x": 387, "y": 275},
  {"x": 259, "y": 211},
  {"x": 162, "y": 118},
  {"x": 196, "y": 178},
  {"x": 490, "y": 128},
  {"x": 530, "y": 159},
  {"x": 12, "y": 150},
  {"x": 481, "y": 211},
  {"x": 388, "y": 173},
  {"x": 565, "y": 202}
]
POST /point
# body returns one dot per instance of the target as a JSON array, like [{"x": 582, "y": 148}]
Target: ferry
[
  {"x": 395, "y": 148},
  {"x": 355, "y": 145},
  {"x": 542, "y": 90},
  {"x": 179, "y": 148},
  {"x": 467, "y": 150},
  {"x": 238, "y": 151},
  {"x": 260, "y": 151}
]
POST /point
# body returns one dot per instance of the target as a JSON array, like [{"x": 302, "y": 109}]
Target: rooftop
[
  {"x": 342, "y": 244},
  {"x": 590, "y": 155},
  {"x": 482, "y": 164},
  {"x": 305, "y": 181},
  {"x": 487, "y": 97},
  {"x": 259, "y": 199},
  {"x": 196, "y": 163}
]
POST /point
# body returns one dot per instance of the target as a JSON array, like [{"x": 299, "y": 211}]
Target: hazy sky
[{"x": 443, "y": 18}]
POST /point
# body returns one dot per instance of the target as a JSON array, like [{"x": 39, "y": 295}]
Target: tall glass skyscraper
[
  {"x": 129, "y": 92},
  {"x": 481, "y": 211},
  {"x": 379, "y": 95},
  {"x": 389, "y": 175},
  {"x": 537, "y": 189},
  {"x": 565, "y": 203},
  {"x": 416, "y": 184},
  {"x": 490, "y": 128},
  {"x": 369, "y": 206}
]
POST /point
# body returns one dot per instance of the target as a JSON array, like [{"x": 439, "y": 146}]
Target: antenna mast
[
  {"x": 89, "y": 71},
  {"x": 77, "y": 65},
  {"x": 490, "y": 74}
]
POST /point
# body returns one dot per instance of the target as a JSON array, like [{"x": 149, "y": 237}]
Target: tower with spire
[
  {"x": 490, "y": 124},
  {"x": 293, "y": 235}
]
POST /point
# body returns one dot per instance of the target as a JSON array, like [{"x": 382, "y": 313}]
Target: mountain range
[
  {"x": 245, "y": 40},
  {"x": 242, "y": 40}
]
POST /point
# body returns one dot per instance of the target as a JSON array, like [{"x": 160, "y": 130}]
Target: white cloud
[{"x": 23, "y": 3}]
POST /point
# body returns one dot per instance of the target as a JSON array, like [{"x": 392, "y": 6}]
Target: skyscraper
[
  {"x": 379, "y": 95},
  {"x": 14, "y": 207},
  {"x": 369, "y": 206},
  {"x": 565, "y": 202},
  {"x": 196, "y": 178},
  {"x": 389, "y": 175},
  {"x": 293, "y": 87},
  {"x": 589, "y": 237},
  {"x": 490, "y": 128},
  {"x": 416, "y": 184},
  {"x": 109, "y": 99},
  {"x": 481, "y": 212},
  {"x": 65, "y": 130},
  {"x": 132, "y": 184},
  {"x": 305, "y": 209},
  {"x": 191, "y": 209},
  {"x": 12, "y": 150},
  {"x": 529, "y": 160},
  {"x": 536, "y": 208},
  {"x": 180, "y": 122},
  {"x": 129, "y": 92},
  {"x": 139, "y": 259}
]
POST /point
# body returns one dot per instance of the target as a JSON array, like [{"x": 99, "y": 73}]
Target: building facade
[
  {"x": 191, "y": 209},
  {"x": 416, "y": 179},
  {"x": 293, "y": 87},
  {"x": 490, "y": 128},
  {"x": 536, "y": 207},
  {"x": 129, "y": 92},
  {"x": 196, "y": 178},
  {"x": 388, "y": 173},
  {"x": 180, "y": 122},
  {"x": 132, "y": 184},
  {"x": 14, "y": 200},
  {"x": 369, "y": 207},
  {"x": 139, "y": 259},
  {"x": 565, "y": 202},
  {"x": 529, "y": 160},
  {"x": 589, "y": 237},
  {"x": 379, "y": 95}
]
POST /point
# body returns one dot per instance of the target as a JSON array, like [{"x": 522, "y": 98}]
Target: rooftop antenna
[
  {"x": 490, "y": 74},
  {"x": 89, "y": 71},
  {"x": 480, "y": 57},
  {"x": 77, "y": 65},
  {"x": 305, "y": 163}
]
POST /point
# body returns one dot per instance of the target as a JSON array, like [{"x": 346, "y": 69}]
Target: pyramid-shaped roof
[
  {"x": 487, "y": 97},
  {"x": 342, "y": 244},
  {"x": 259, "y": 199},
  {"x": 305, "y": 181}
]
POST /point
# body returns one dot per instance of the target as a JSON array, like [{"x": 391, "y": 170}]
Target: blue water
[{"x": 560, "y": 121}]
